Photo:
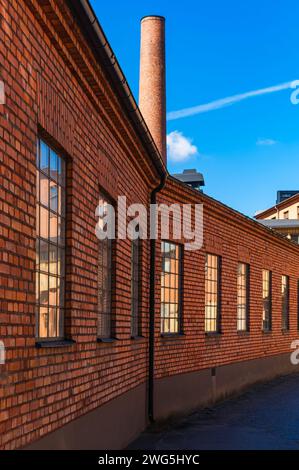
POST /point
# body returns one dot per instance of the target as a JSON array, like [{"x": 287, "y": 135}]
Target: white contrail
[{"x": 217, "y": 104}]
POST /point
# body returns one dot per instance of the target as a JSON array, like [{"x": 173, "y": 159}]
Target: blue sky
[{"x": 249, "y": 150}]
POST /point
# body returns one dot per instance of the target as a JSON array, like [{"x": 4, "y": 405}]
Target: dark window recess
[
  {"x": 267, "y": 300},
  {"x": 135, "y": 285},
  {"x": 285, "y": 290},
  {"x": 104, "y": 278}
]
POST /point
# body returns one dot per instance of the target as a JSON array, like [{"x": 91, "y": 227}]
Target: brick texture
[{"x": 55, "y": 88}]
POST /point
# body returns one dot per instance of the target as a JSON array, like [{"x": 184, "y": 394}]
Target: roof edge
[
  {"x": 92, "y": 30},
  {"x": 281, "y": 205}
]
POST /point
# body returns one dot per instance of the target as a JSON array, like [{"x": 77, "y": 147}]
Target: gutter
[
  {"x": 152, "y": 305},
  {"x": 89, "y": 24}
]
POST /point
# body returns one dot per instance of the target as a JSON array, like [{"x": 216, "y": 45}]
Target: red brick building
[{"x": 98, "y": 339}]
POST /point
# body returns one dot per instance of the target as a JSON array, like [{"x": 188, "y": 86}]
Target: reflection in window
[
  {"x": 243, "y": 297},
  {"x": 212, "y": 294},
  {"x": 171, "y": 288},
  {"x": 104, "y": 277},
  {"x": 50, "y": 242},
  {"x": 285, "y": 288},
  {"x": 267, "y": 300}
]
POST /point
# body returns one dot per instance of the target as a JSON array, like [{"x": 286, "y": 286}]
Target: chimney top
[{"x": 147, "y": 17}]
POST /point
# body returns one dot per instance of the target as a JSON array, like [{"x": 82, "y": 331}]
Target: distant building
[
  {"x": 283, "y": 195},
  {"x": 191, "y": 178},
  {"x": 284, "y": 216}
]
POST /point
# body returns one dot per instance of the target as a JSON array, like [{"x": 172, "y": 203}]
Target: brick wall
[
  {"x": 236, "y": 239},
  {"x": 48, "y": 94},
  {"x": 55, "y": 88}
]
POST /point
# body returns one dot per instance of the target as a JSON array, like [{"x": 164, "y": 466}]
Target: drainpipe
[{"x": 152, "y": 304}]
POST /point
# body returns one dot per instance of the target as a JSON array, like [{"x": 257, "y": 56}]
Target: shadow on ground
[{"x": 264, "y": 417}]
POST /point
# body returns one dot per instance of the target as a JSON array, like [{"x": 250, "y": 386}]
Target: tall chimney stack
[{"x": 152, "y": 95}]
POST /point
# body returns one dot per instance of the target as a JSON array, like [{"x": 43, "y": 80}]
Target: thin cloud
[
  {"x": 224, "y": 102},
  {"x": 266, "y": 142},
  {"x": 179, "y": 147}
]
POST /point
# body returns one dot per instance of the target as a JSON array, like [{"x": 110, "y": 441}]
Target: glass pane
[
  {"x": 59, "y": 321},
  {"x": 37, "y": 287},
  {"x": 61, "y": 262},
  {"x": 43, "y": 322},
  {"x": 37, "y": 221},
  {"x": 53, "y": 197},
  {"x": 52, "y": 291},
  {"x": 44, "y": 289},
  {"x": 44, "y": 190},
  {"x": 44, "y": 223},
  {"x": 37, "y": 184},
  {"x": 52, "y": 322},
  {"x": 53, "y": 259},
  {"x": 44, "y": 157},
  {"x": 53, "y": 165},
  {"x": 53, "y": 228},
  {"x": 37, "y": 253},
  {"x": 44, "y": 256}
]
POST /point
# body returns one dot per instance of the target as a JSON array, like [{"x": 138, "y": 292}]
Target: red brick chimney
[{"x": 152, "y": 95}]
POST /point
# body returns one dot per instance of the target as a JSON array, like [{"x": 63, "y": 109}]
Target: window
[
  {"x": 135, "y": 274},
  {"x": 212, "y": 293},
  {"x": 267, "y": 300},
  {"x": 297, "y": 212},
  {"x": 286, "y": 215},
  {"x": 243, "y": 297},
  {"x": 285, "y": 287},
  {"x": 104, "y": 279},
  {"x": 50, "y": 242},
  {"x": 171, "y": 288},
  {"x": 295, "y": 238}
]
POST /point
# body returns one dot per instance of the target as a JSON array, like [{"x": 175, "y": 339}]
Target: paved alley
[{"x": 265, "y": 417}]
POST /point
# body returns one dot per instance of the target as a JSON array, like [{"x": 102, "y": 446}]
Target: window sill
[
  {"x": 243, "y": 333},
  {"x": 63, "y": 343},
  {"x": 172, "y": 335},
  {"x": 216, "y": 334},
  {"x": 137, "y": 338},
  {"x": 106, "y": 340},
  {"x": 267, "y": 332},
  {"x": 285, "y": 331}
]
